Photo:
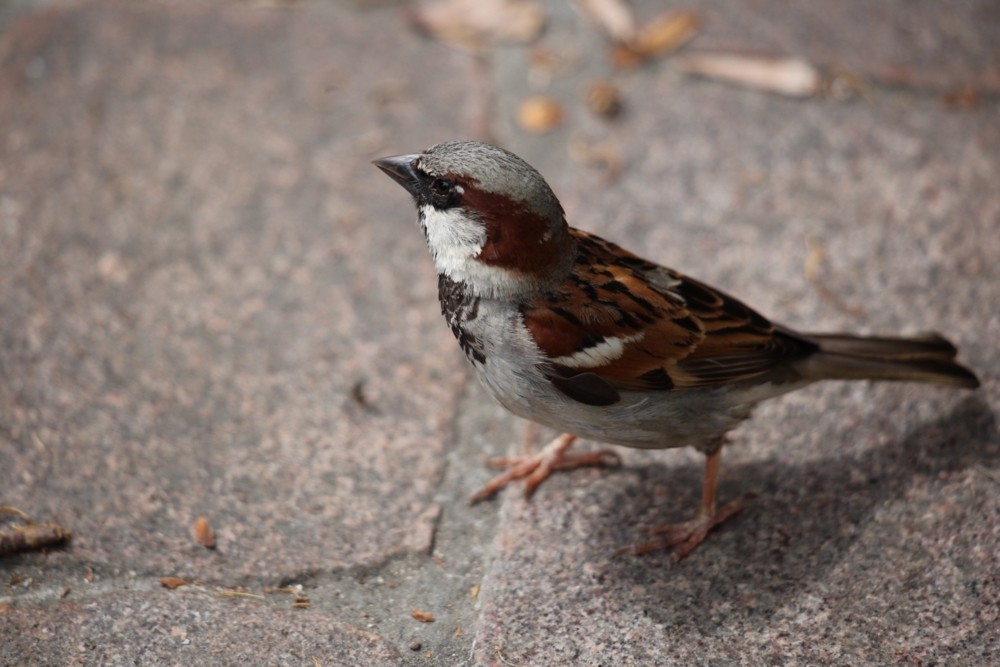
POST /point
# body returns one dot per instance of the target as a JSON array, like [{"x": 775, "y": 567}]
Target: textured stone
[
  {"x": 209, "y": 306},
  {"x": 873, "y": 535},
  {"x": 183, "y": 627},
  {"x": 212, "y": 305}
]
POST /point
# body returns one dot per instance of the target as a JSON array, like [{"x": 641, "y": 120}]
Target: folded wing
[{"x": 639, "y": 326}]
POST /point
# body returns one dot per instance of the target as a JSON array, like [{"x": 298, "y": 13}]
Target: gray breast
[{"x": 492, "y": 334}]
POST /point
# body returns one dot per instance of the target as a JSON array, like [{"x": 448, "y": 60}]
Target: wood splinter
[{"x": 32, "y": 536}]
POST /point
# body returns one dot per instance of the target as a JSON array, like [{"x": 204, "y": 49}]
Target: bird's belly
[
  {"x": 658, "y": 420},
  {"x": 510, "y": 366}
]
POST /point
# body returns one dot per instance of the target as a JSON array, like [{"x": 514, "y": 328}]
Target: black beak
[{"x": 401, "y": 169}]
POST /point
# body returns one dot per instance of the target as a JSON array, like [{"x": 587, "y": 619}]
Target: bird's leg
[
  {"x": 689, "y": 534},
  {"x": 537, "y": 467}
]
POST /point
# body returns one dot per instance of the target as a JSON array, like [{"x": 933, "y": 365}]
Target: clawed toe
[
  {"x": 605, "y": 457},
  {"x": 682, "y": 537},
  {"x": 538, "y": 467},
  {"x": 689, "y": 534},
  {"x": 685, "y": 536}
]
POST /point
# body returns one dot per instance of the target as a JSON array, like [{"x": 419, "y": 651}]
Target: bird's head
[{"x": 490, "y": 220}]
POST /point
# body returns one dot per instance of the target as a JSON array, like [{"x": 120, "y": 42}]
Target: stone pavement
[{"x": 211, "y": 305}]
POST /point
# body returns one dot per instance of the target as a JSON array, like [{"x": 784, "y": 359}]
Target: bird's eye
[{"x": 442, "y": 187}]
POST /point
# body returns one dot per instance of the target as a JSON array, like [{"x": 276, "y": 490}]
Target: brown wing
[{"x": 640, "y": 326}]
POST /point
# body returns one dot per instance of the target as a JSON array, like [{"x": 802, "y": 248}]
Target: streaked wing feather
[{"x": 669, "y": 331}]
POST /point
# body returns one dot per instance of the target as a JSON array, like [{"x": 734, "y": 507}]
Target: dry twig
[
  {"x": 226, "y": 593},
  {"x": 983, "y": 470},
  {"x": 792, "y": 77},
  {"x": 31, "y": 536},
  {"x": 814, "y": 261}
]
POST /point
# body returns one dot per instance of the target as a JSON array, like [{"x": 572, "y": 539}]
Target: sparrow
[{"x": 573, "y": 332}]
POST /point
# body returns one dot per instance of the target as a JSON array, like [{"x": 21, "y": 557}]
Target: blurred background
[{"x": 223, "y": 367}]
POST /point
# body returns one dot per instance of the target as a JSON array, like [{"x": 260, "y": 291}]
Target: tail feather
[
  {"x": 928, "y": 359},
  {"x": 925, "y": 346}
]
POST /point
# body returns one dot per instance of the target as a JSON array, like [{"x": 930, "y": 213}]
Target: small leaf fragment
[
  {"x": 604, "y": 99},
  {"x": 666, "y": 33},
  {"x": 172, "y": 582},
  {"x": 473, "y": 25},
  {"x": 204, "y": 533},
  {"x": 423, "y": 616},
  {"x": 540, "y": 114},
  {"x": 661, "y": 36},
  {"x": 613, "y": 16}
]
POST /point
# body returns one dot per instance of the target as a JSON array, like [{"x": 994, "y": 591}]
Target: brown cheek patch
[{"x": 515, "y": 236}]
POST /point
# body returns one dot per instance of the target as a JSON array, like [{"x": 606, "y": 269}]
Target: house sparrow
[{"x": 573, "y": 332}]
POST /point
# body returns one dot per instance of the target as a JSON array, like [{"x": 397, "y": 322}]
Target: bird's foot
[
  {"x": 686, "y": 535},
  {"x": 537, "y": 467}
]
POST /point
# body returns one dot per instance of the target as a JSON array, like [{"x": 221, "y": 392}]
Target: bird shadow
[{"x": 802, "y": 523}]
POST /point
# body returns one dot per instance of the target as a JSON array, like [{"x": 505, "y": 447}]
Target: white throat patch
[{"x": 455, "y": 240}]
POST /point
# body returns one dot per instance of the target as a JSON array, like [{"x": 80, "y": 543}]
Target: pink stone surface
[
  {"x": 212, "y": 305},
  {"x": 184, "y": 627}
]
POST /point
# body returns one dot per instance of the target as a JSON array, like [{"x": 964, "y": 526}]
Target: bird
[{"x": 573, "y": 332}]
